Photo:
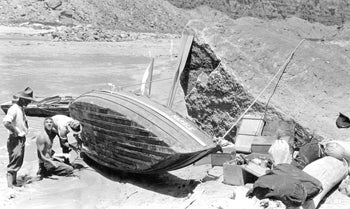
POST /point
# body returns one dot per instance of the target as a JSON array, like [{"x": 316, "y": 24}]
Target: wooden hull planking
[{"x": 134, "y": 134}]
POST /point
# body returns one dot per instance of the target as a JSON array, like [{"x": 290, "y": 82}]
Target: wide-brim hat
[
  {"x": 75, "y": 126},
  {"x": 27, "y": 93}
]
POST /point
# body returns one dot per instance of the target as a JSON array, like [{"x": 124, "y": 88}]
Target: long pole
[{"x": 283, "y": 67}]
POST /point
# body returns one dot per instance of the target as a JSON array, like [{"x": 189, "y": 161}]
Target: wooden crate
[
  {"x": 235, "y": 174},
  {"x": 251, "y": 126},
  {"x": 218, "y": 159},
  {"x": 262, "y": 144}
]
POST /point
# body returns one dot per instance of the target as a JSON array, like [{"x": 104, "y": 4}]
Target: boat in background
[
  {"x": 132, "y": 133},
  {"x": 45, "y": 107}
]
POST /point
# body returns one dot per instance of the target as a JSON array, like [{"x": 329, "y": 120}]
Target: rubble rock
[{"x": 53, "y": 4}]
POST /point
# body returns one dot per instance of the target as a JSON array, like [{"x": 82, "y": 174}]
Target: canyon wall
[{"x": 328, "y": 12}]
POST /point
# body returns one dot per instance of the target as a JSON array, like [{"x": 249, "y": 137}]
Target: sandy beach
[
  {"x": 72, "y": 68},
  {"x": 240, "y": 51}
]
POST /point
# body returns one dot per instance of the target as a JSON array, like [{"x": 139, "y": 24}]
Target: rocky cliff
[
  {"x": 232, "y": 61},
  {"x": 328, "y": 12},
  {"x": 129, "y": 15}
]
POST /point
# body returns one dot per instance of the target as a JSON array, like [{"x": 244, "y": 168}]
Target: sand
[{"x": 72, "y": 68}]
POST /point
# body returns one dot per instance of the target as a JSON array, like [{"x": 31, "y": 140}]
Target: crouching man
[
  {"x": 47, "y": 165},
  {"x": 62, "y": 126}
]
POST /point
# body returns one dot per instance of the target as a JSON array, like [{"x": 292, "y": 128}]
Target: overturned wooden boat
[
  {"x": 45, "y": 107},
  {"x": 132, "y": 133}
]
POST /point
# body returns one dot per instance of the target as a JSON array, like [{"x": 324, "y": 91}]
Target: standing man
[
  {"x": 47, "y": 164},
  {"x": 63, "y": 124},
  {"x": 16, "y": 122}
]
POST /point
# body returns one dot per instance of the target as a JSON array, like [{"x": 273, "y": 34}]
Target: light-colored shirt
[
  {"x": 62, "y": 124},
  {"x": 15, "y": 115}
]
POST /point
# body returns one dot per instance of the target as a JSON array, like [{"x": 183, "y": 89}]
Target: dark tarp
[
  {"x": 288, "y": 184},
  {"x": 308, "y": 153}
]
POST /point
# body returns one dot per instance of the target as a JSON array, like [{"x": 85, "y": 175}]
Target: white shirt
[
  {"x": 15, "y": 115},
  {"x": 62, "y": 124}
]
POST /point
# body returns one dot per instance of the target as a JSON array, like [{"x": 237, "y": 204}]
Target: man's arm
[
  {"x": 7, "y": 121},
  {"x": 11, "y": 128},
  {"x": 63, "y": 136},
  {"x": 41, "y": 143},
  {"x": 79, "y": 140}
]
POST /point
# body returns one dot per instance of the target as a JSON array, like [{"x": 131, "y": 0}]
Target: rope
[
  {"x": 256, "y": 99},
  {"x": 284, "y": 69}
]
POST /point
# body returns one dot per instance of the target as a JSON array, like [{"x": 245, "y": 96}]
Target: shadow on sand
[
  {"x": 165, "y": 183},
  {"x": 26, "y": 179}
]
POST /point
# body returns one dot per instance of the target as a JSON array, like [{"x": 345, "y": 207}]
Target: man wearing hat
[
  {"x": 63, "y": 125},
  {"x": 16, "y": 123}
]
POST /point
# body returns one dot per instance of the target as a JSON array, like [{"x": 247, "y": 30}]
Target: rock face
[
  {"x": 311, "y": 92},
  {"x": 132, "y": 15},
  {"x": 53, "y": 4},
  {"x": 328, "y": 12}
]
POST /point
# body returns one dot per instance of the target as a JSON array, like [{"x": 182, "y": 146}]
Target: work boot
[
  {"x": 10, "y": 180},
  {"x": 42, "y": 172},
  {"x": 14, "y": 182}
]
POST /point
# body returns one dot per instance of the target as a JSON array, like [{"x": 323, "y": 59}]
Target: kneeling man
[{"x": 47, "y": 165}]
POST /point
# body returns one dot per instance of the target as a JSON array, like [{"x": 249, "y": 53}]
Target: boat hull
[
  {"x": 46, "y": 107},
  {"x": 134, "y": 134}
]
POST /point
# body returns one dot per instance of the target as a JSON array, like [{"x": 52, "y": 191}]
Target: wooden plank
[
  {"x": 131, "y": 137},
  {"x": 138, "y": 153},
  {"x": 118, "y": 156},
  {"x": 181, "y": 51},
  {"x": 155, "y": 151},
  {"x": 162, "y": 140},
  {"x": 120, "y": 128},
  {"x": 152, "y": 111},
  {"x": 176, "y": 125},
  {"x": 153, "y": 118},
  {"x": 106, "y": 160},
  {"x": 113, "y": 119},
  {"x": 185, "y": 50}
]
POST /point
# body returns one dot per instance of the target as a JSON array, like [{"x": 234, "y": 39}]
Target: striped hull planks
[{"x": 132, "y": 133}]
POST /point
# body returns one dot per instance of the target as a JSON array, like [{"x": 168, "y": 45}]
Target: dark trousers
[
  {"x": 15, "y": 149},
  {"x": 62, "y": 169}
]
